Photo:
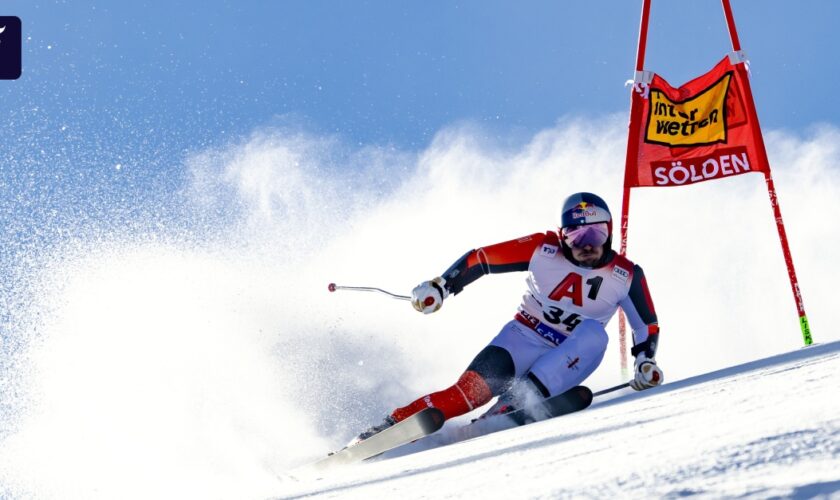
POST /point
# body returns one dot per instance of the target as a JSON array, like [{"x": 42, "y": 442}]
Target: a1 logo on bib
[
  {"x": 620, "y": 274},
  {"x": 549, "y": 250}
]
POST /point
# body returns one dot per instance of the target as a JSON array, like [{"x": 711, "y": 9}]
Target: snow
[
  {"x": 758, "y": 430},
  {"x": 204, "y": 357}
]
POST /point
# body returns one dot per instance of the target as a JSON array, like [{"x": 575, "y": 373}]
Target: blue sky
[
  {"x": 389, "y": 72},
  {"x": 114, "y": 95}
]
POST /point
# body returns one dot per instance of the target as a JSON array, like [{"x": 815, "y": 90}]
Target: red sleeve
[
  {"x": 505, "y": 257},
  {"x": 638, "y": 307}
]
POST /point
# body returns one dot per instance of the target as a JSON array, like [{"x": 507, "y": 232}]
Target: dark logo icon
[{"x": 10, "y": 48}]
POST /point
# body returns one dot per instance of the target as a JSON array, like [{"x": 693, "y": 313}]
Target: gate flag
[
  {"x": 707, "y": 129},
  {"x": 698, "y": 132}
]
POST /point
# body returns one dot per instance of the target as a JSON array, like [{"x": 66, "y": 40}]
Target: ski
[
  {"x": 431, "y": 420},
  {"x": 575, "y": 399},
  {"x": 412, "y": 428}
]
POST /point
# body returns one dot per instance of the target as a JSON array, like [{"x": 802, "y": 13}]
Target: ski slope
[
  {"x": 192, "y": 364},
  {"x": 762, "y": 429}
]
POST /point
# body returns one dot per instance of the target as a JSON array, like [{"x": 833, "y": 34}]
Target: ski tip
[{"x": 584, "y": 393}]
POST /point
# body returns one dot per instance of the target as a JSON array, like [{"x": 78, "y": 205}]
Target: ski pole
[
  {"x": 611, "y": 389},
  {"x": 333, "y": 287}
]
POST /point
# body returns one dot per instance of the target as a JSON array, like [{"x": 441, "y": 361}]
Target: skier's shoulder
[
  {"x": 621, "y": 260},
  {"x": 548, "y": 243},
  {"x": 548, "y": 237},
  {"x": 516, "y": 252},
  {"x": 622, "y": 267},
  {"x": 531, "y": 241}
]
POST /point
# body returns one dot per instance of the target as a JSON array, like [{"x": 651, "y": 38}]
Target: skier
[{"x": 557, "y": 338}]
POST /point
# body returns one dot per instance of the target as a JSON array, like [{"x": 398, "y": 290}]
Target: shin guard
[{"x": 470, "y": 392}]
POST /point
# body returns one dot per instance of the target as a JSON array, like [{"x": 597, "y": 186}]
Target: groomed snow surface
[{"x": 766, "y": 429}]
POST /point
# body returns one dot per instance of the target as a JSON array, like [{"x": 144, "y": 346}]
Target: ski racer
[{"x": 557, "y": 339}]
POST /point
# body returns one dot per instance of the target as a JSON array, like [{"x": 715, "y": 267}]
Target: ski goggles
[{"x": 593, "y": 235}]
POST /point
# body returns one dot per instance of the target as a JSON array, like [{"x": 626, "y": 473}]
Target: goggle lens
[{"x": 593, "y": 235}]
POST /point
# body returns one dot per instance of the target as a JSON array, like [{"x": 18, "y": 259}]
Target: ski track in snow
[{"x": 764, "y": 429}]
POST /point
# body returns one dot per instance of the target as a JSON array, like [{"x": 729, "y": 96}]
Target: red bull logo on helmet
[{"x": 583, "y": 210}]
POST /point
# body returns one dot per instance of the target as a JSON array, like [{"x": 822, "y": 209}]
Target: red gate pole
[
  {"x": 768, "y": 177},
  {"x": 631, "y": 159}
]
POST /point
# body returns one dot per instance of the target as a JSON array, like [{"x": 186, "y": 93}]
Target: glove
[
  {"x": 427, "y": 297},
  {"x": 647, "y": 373}
]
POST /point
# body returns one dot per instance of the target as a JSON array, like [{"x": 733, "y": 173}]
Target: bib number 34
[{"x": 556, "y": 316}]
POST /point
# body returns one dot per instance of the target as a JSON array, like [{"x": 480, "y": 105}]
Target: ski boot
[
  {"x": 388, "y": 421},
  {"x": 500, "y": 407}
]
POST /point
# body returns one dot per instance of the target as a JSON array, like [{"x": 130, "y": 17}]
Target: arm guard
[
  {"x": 638, "y": 306},
  {"x": 514, "y": 255}
]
